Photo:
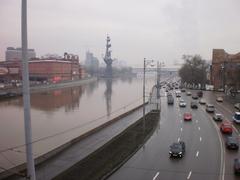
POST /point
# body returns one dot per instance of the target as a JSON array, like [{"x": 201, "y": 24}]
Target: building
[
  {"x": 15, "y": 54},
  {"x": 91, "y": 63},
  {"x": 225, "y": 70},
  {"x": 51, "y": 69}
]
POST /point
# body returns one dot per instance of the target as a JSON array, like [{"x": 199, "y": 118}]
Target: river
[{"x": 60, "y": 115}]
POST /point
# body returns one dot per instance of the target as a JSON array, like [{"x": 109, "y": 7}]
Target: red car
[
  {"x": 226, "y": 127},
  {"x": 187, "y": 116}
]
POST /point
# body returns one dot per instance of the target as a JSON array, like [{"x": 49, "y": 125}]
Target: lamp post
[
  {"x": 223, "y": 76},
  {"x": 145, "y": 63},
  {"x": 26, "y": 96},
  {"x": 159, "y": 65}
]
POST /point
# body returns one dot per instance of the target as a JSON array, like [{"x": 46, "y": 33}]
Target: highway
[{"x": 206, "y": 156}]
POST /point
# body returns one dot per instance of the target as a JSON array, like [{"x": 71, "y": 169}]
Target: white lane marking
[
  {"x": 200, "y": 139},
  {"x": 189, "y": 175},
  {"x": 197, "y": 153},
  {"x": 181, "y": 129},
  {"x": 178, "y": 139},
  {"x": 222, "y": 168},
  {"x": 199, "y": 128},
  {"x": 155, "y": 177}
]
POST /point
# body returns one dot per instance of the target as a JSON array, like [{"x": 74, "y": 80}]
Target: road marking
[
  {"x": 155, "y": 177},
  {"x": 200, "y": 139},
  {"x": 197, "y": 153},
  {"x": 189, "y": 175},
  {"x": 222, "y": 168},
  {"x": 178, "y": 139},
  {"x": 196, "y": 121},
  {"x": 199, "y": 128},
  {"x": 181, "y": 129}
]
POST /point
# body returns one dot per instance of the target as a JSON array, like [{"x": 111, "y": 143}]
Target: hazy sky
[{"x": 156, "y": 29}]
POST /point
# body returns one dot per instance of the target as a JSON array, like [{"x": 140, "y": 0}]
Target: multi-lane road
[{"x": 206, "y": 156}]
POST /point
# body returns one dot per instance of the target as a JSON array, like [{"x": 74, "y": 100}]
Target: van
[{"x": 170, "y": 100}]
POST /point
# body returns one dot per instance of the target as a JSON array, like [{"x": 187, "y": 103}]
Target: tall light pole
[
  {"x": 159, "y": 65},
  {"x": 26, "y": 96},
  {"x": 145, "y": 63}
]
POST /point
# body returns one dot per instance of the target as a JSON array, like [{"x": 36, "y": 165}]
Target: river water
[{"x": 61, "y": 115}]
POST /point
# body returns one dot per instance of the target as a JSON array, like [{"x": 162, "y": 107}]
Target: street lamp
[
  {"x": 159, "y": 65},
  {"x": 145, "y": 63},
  {"x": 223, "y": 76}
]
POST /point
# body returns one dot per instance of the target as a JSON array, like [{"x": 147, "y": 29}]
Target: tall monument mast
[{"x": 107, "y": 58}]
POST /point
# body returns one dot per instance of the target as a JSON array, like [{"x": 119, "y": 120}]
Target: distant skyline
[{"x": 162, "y": 30}]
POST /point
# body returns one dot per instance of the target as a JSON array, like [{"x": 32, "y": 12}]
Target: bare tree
[{"x": 193, "y": 70}]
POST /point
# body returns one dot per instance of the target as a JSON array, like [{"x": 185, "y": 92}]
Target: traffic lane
[
  {"x": 154, "y": 156},
  {"x": 205, "y": 148},
  {"x": 209, "y": 157},
  {"x": 230, "y": 155}
]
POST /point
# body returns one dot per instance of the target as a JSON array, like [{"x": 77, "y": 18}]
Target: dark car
[
  {"x": 177, "y": 149},
  {"x": 183, "y": 90},
  {"x": 194, "y": 105},
  {"x": 232, "y": 143},
  {"x": 195, "y": 96},
  {"x": 236, "y": 166},
  {"x": 200, "y": 93}
]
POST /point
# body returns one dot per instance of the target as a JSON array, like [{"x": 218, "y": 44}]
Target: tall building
[
  {"x": 15, "y": 54},
  {"x": 91, "y": 63}
]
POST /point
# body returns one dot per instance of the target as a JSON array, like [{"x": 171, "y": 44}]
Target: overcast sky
[{"x": 162, "y": 30}]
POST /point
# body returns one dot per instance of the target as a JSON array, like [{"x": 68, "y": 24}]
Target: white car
[
  {"x": 218, "y": 117},
  {"x": 189, "y": 93},
  {"x": 236, "y": 117},
  {"x": 210, "y": 108},
  {"x": 182, "y": 103},
  {"x": 202, "y": 101},
  {"x": 219, "y": 99}
]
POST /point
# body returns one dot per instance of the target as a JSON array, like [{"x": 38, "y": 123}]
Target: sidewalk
[{"x": 64, "y": 160}]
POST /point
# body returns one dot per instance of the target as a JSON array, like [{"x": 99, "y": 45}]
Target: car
[
  {"x": 210, "y": 108},
  {"x": 217, "y": 117},
  {"x": 219, "y": 99},
  {"x": 187, "y": 116},
  {"x": 232, "y": 143},
  {"x": 236, "y": 166},
  {"x": 236, "y": 117},
  {"x": 177, "y": 149},
  {"x": 194, "y": 96},
  {"x": 200, "y": 93},
  {"x": 189, "y": 93},
  {"x": 178, "y": 94},
  {"x": 202, "y": 101},
  {"x": 226, "y": 127},
  {"x": 183, "y": 90},
  {"x": 182, "y": 103},
  {"x": 194, "y": 105}
]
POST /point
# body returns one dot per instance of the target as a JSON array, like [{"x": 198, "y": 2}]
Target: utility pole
[{"x": 26, "y": 96}]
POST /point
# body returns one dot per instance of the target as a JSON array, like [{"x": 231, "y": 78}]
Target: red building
[
  {"x": 225, "y": 70},
  {"x": 50, "y": 69}
]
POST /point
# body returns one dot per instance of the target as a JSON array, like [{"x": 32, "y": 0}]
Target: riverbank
[{"x": 14, "y": 92}]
